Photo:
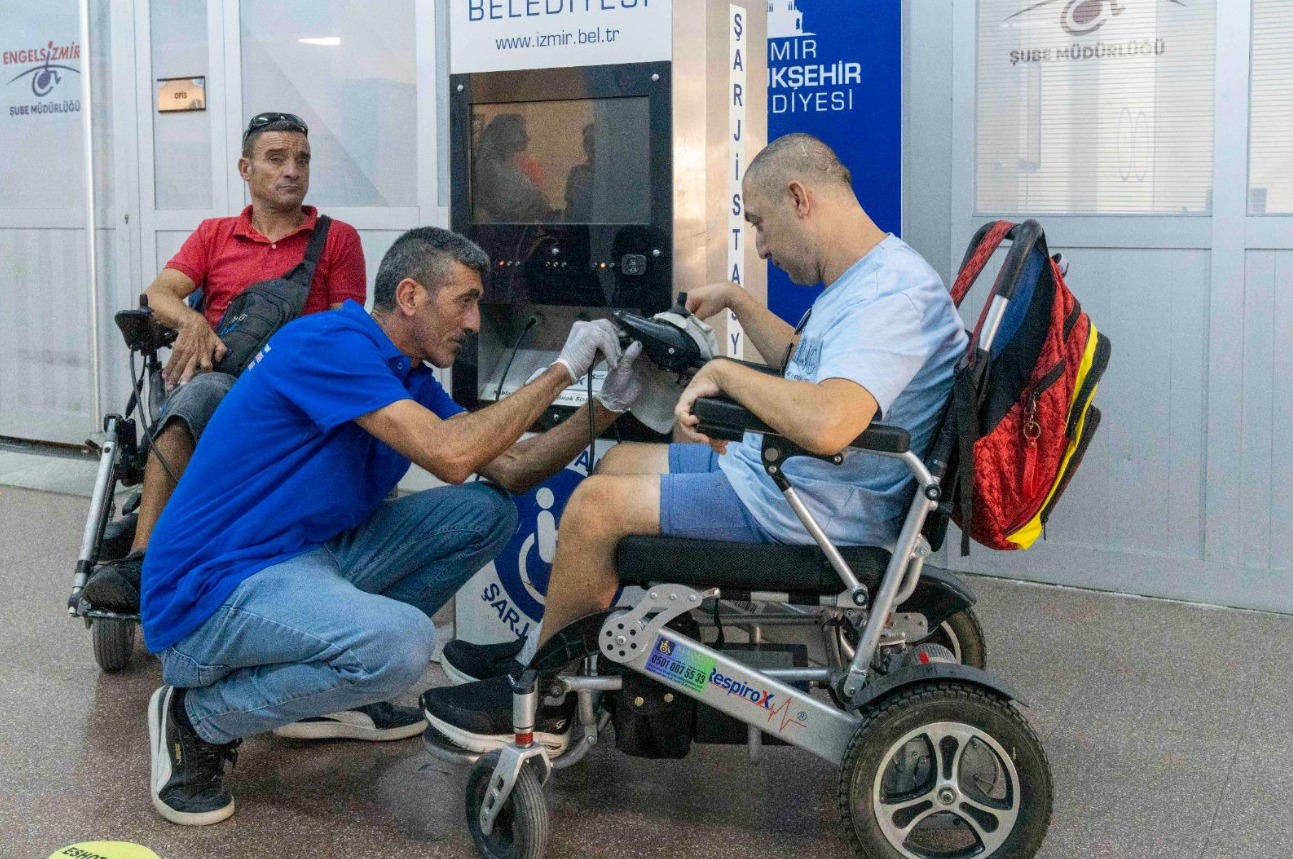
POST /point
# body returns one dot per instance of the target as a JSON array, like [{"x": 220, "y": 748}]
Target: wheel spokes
[
  {"x": 991, "y": 825},
  {"x": 971, "y": 781},
  {"x": 900, "y": 818}
]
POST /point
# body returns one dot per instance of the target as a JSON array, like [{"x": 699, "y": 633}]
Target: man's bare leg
[
  {"x": 603, "y": 510},
  {"x": 632, "y": 457},
  {"x": 175, "y": 443}
]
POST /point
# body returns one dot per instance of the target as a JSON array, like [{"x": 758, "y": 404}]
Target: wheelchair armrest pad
[
  {"x": 727, "y": 419},
  {"x": 762, "y": 368}
]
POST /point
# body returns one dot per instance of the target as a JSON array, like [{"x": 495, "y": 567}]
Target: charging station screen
[{"x": 578, "y": 161}]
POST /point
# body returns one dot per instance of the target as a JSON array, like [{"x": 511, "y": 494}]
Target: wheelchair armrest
[
  {"x": 724, "y": 418},
  {"x": 753, "y": 365}
]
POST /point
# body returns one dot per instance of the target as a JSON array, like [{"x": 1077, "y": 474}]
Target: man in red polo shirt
[{"x": 223, "y": 257}]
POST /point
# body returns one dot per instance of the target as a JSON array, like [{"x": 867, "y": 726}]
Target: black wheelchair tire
[
  {"x": 886, "y": 722},
  {"x": 522, "y": 826},
  {"x": 114, "y": 642},
  {"x": 963, "y": 635}
]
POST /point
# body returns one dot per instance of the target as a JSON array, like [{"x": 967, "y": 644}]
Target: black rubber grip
[{"x": 729, "y": 420}]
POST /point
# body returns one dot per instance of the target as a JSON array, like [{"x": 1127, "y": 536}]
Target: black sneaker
[
  {"x": 115, "y": 585},
  {"x": 478, "y": 716},
  {"x": 465, "y": 662},
  {"x": 188, "y": 772},
  {"x": 374, "y": 722}
]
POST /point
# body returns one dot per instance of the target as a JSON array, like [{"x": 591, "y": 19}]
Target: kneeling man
[
  {"x": 880, "y": 342},
  {"x": 283, "y": 591}
]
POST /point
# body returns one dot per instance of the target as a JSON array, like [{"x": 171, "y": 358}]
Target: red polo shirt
[{"x": 224, "y": 256}]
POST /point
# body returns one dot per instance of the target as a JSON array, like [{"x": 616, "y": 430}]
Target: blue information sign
[{"x": 835, "y": 71}]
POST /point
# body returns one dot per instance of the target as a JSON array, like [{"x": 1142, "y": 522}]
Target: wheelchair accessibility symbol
[
  {"x": 542, "y": 542},
  {"x": 45, "y": 76},
  {"x": 525, "y": 563}
]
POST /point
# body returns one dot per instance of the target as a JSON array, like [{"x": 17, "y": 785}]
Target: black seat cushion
[{"x": 743, "y": 566}]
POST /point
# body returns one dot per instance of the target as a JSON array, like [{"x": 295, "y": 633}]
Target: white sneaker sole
[
  {"x": 556, "y": 744},
  {"x": 334, "y": 730},
  {"x": 161, "y": 768}
]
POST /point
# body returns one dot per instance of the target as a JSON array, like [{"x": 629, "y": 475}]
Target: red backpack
[{"x": 1021, "y": 417}]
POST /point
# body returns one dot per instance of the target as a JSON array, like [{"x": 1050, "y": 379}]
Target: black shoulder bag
[{"x": 258, "y": 311}]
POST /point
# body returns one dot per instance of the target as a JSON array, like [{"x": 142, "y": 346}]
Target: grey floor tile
[
  {"x": 1142, "y": 705},
  {"x": 1139, "y": 796}
]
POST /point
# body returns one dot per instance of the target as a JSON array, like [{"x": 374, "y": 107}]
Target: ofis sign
[{"x": 503, "y": 35}]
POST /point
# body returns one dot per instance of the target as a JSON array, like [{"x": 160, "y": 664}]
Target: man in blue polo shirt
[{"x": 282, "y": 591}]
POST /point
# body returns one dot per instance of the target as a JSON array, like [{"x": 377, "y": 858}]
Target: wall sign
[
  {"x": 734, "y": 347},
  {"x": 505, "y": 600},
  {"x": 181, "y": 94},
  {"x": 40, "y": 106},
  {"x": 502, "y": 35},
  {"x": 835, "y": 71},
  {"x": 1095, "y": 107}
]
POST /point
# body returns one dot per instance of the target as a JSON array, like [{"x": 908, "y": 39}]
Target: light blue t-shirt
[{"x": 889, "y": 325}]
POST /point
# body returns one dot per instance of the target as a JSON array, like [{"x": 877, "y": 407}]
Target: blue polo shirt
[{"x": 282, "y": 467}]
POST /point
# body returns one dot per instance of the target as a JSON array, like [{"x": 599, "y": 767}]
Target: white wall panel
[
  {"x": 376, "y": 243},
  {"x": 1282, "y": 416},
  {"x": 44, "y": 350},
  {"x": 168, "y": 244},
  {"x": 1267, "y": 495}
]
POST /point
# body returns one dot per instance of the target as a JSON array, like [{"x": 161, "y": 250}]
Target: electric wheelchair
[
  {"x": 935, "y": 759},
  {"x": 123, "y": 454}
]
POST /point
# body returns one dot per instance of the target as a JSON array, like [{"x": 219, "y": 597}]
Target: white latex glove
[
  {"x": 586, "y": 340},
  {"x": 623, "y": 385}
]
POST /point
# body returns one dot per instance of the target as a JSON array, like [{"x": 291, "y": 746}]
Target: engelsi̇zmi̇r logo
[
  {"x": 47, "y": 75},
  {"x": 1084, "y": 17}
]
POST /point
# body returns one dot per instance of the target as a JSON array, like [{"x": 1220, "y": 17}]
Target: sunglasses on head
[{"x": 261, "y": 120}]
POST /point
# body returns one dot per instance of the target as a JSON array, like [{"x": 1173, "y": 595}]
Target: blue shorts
[{"x": 697, "y": 501}]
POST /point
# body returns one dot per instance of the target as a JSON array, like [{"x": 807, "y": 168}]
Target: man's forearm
[
  {"x": 481, "y": 437},
  {"x": 769, "y": 333},
  {"x": 533, "y": 460},
  {"x": 800, "y": 411},
  {"x": 169, "y": 309}
]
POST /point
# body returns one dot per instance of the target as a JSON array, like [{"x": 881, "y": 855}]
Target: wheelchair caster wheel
[
  {"x": 945, "y": 770},
  {"x": 521, "y": 828},
  {"x": 114, "y": 640}
]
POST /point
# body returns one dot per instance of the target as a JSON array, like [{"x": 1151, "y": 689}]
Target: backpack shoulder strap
[
  {"x": 988, "y": 239},
  {"x": 319, "y": 238},
  {"x": 302, "y": 274}
]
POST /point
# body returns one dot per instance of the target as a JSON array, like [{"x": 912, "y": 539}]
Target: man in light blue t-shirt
[{"x": 880, "y": 343}]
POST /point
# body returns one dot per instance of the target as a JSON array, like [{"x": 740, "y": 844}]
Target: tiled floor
[{"x": 1168, "y": 727}]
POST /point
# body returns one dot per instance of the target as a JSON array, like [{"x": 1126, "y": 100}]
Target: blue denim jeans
[{"x": 343, "y": 625}]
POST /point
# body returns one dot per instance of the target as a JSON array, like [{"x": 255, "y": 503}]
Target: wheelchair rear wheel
[
  {"x": 947, "y": 770},
  {"x": 521, "y": 828},
  {"x": 961, "y": 634},
  {"x": 114, "y": 641}
]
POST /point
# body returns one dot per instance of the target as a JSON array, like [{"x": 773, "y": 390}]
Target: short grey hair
[
  {"x": 427, "y": 255},
  {"x": 797, "y": 156}
]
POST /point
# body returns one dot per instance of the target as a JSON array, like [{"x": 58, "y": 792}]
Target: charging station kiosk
[{"x": 597, "y": 148}]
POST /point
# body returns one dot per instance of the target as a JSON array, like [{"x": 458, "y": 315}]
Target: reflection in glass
[
  {"x": 580, "y": 161},
  {"x": 349, "y": 70}
]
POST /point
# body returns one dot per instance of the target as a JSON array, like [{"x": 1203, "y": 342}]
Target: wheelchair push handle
[{"x": 727, "y": 419}]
